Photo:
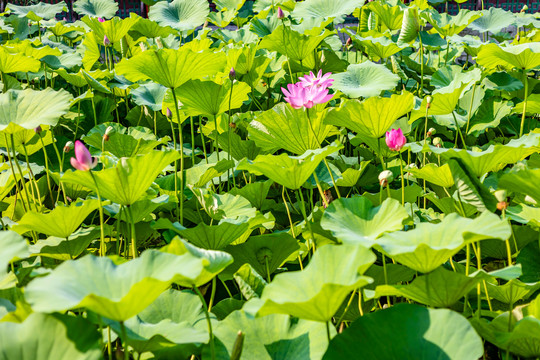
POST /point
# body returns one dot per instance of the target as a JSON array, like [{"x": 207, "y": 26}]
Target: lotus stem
[
  {"x": 21, "y": 173},
  {"x": 34, "y": 181},
  {"x": 213, "y": 294},
  {"x": 303, "y": 209},
  {"x": 217, "y": 136},
  {"x": 470, "y": 110},
  {"x": 124, "y": 340},
  {"x": 179, "y": 214},
  {"x": 402, "y": 180},
  {"x": 328, "y": 331},
  {"x": 458, "y": 129},
  {"x": 288, "y": 211},
  {"x": 17, "y": 188},
  {"x": 421, "y": 90},
  {"x": 206, "y": 312},
  {"x": 526, "y": 84},
  {"x": 102, "y": 248}
]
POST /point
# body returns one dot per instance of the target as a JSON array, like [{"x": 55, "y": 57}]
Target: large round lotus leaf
[
  {"x": 334, "y": 271},
  {"x": 356, "y": 221},
  {"x": 150, "y": 95},
  {"x": 151, "y": 29},
  {"x": 372, "y": 117},
  {"x": 365, "y": 80},
  {"x": 31, "y": 108},
  {"x": 96, "y": 8},
  {"x": 391, "y": 16},
  {"x": 13, "y": 247},
  {"x": 430, "y": 245},
  {"x": 513, "y": 291},
  {"x": 523, "y": 340},
  {"x": 447, "y": 25},
  {"x": 323, "y": 9},
  {"x": 43, "y": 337},
  {"x": 210, "y": 98},
  {"x": 522, "y": 181},
  {"x": 493, "y": 20},
  {"x": 115, "y": 29},
  {"x": 61, "y": 222},
  {"x": 283, "y": 127},
  {"x": 523, "y": 56},
  {"x": 182, "y": 15},
  {"x": 38, "y": 11},
  {"x": 407, "y": 331},
  {"x": 174, "y": 325},
  {"x": 270, "y": 337},
  {"x": 126, "y": 182},
  {"x": 438, "y": 175},
  {"x": 377, "y": 48},
  {"x": 171, "y": 68},
  {"x": 119, "y": 292}
]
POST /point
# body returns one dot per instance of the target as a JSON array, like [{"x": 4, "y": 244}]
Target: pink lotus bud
[
  {"x": 169, "y": 113},
  {"x": 100, "y": 19},
  {"x": 106, "y": 41},
  {"x": 83, "y": 160},
  {"x": 232, "y": 74},
  {"x": 38, "y": 129},
  {"x": 395, "y": 139},
  {"x": 280, "y": 14}
]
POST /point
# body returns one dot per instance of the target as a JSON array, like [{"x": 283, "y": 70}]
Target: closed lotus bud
[
  {"x": 431, "y": 132},
  {"x": 232, "y": 74},
  {"x": 238, "y": 346},
  {"x": 437, "y": 142},
  {"x": 280, "y": 14},
  {"x": 38, "y": 129},
  {"x": 530, "y": 200},
  {"x": 142, "y": 46},
  {"x": 159, "y": 43},
  {"x": 386, "y": 177},
  {"x": 323, "y": 58},
  {"x": 100, "y": 19},
  {"x": 69, "y": 145},
  {"x": 428, "y": 101},
  {"x": 106, "y": 41},
  {"x": 146, "y": 112},
  {"x": 108, "y": 131},
  {"x": 169, "y": 113},
  {"x": 205, "y": 25},
  {"x": 349, "y": 42}
]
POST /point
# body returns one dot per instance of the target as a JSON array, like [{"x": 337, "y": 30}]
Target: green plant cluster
[{"x": 204, "y": 217}]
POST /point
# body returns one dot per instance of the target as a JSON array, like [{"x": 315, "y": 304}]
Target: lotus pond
[{"x": 297, "y": 188}]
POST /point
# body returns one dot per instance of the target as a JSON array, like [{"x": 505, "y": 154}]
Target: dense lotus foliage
[{"x": 270, "y": 180}]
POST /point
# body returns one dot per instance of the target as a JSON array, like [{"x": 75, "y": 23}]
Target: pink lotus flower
[
  {"x": 100, "y": 19},
  {"x": 319, "y": 80},
  {"x": 395, "y": 139},
  {"x": 299, "y": 96},
  {"x": 83, "y": 160}
]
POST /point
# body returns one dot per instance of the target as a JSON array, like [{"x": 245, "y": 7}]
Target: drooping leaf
[{"x": 522, "y": 56}]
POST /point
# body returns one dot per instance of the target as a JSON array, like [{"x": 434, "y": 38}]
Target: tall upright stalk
[{"x": 526, "y": 83}]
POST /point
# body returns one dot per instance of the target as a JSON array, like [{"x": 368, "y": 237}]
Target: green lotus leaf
[
  {"x": 452, "y": 75},
  {"x": 372, "y": 117},
  {"x": 523, "y": 56},
  {"x": 210, "y": 98},
  {"x": 126, "y": 182},
  {"x": 281, "y": 38},
  {"x": 522, "y": 213},
  {"x": 172, "y": 326},
  {"x": 119, "y": 292},
  {"x": 115, "y": 29},
  {"x": 38, "y": 11},
  {"x": 26, "y": 48},
  {"x": 533, "y": 105},
  {"x": 27, "y": 141},
  {"x": 440, "y": 288},
  {"x": 438, "y": 175},
  {"x": 415, "y": 333},
  {"x": 202, "y": 173},
  {"x": 61, "y": 222},
  {"x": 389, "y": 16},
  {"x": 513, "y": 291},
  {"x": 92, "y": 52},
  {"x": 255, "y": 193},
  {"x": 216, "y": 237},
  {"x": 59, "y": 337},
  {"x": 151, "y": 29},
  {"x": 31, "y": 108},
  {"x": 258, "y": 250},
  {"x": 224, "y": 206},
  {"x": 489, "y": 114},
  {"x": 522, "y": 181},
  {"x": 67, "y": 249},
  {"x": 10, "y": 62},
  {"x": 123, "y": 142},
  {"x": 14, "y": 247},
  {"x": 222, "y": 5},
  {"x": 356, "y": 221},
  {"x": 334, "y": 271},
  {"x": 96, "y": 8},
  {"x": 182, "y": 15},
  {"x": 150, "y": 95},
  {"x": 289, "y": 171},
  {"x": 250, "y": 283},
  {"x": 430, "y": 245},
  {"x": 377, "y": 48},
  {"x": 493, "y": 20},
  {"x": 171, "y": 68},
  {"x": 283, "y": 127},
  {"x": 270, "y": 337},
  {"x": 139, "y": 210},
  {"x": 523, "y": 340},
  {"x": 321, "y": 9},
  {"x": 502, "y": 81},
  {"x": 365, "y": 80},
  {"x": 410, "y": 26},
  {"x": 447, "y": 25},
  {"x": 443, "y": 101},
  {"x": 60, "y": 29}
]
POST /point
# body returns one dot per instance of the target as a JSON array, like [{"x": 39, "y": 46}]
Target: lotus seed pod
[
  {"x": 431, "y": 132},
  {"x": 525, "y": 8},
  {"x": 501, "y": 195},
  {"x": 428, "y": 101},
  {"x": 502, "y": 205},
  {"x": 69, "y": 145},
  {"x": 108, "y": 131},
  {"x": 264, "y": 254},
  {"x": 438, "y": 142},
  {"x": 386, "y": 177}
]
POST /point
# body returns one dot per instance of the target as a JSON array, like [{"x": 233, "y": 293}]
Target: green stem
[
  {"x": 459, "y": 131},
  {"x": 17, "y": 188},
  {"x": 288, "y": 211},
  {"x": 402, "y": 180},
  {"x": 470, "y": 109},
  {"x": 21, "y": 173},
  {"x": 303, "y": 209},
  {"x": 178, "y": 216},
  {"x": 205, "y": 308},
  {"x": 328, "y": 331},
  {"x": 217, "y": 136},
  {"x": 421, "y": 90},
  {"x": 526, "y": 83},
  {"x": 213, "y": 294},
  {"x": 102, "y": 249},
  {"x": 124, "y": 340}
]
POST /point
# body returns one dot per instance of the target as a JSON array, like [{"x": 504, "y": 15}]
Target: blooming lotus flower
[
  {"x": 319, "y": 80},
  {"x": 100, "y": 19},
  {"x": 299, "y": 96},
  {"x": 83, "y": 160},
  {"x": 395, "y": 139}
]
